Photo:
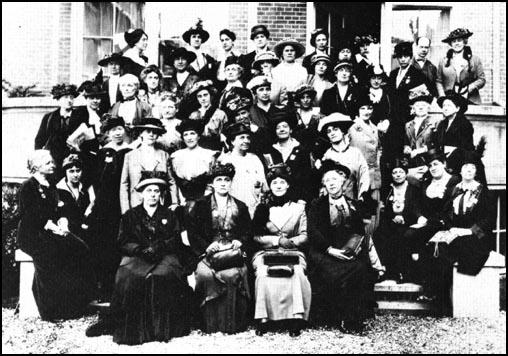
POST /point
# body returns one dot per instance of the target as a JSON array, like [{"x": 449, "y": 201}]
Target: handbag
[
  {"x": 353, "y": 246},
  {"x": 227, "y": 258},
  {"x": 281, "y": 257}
]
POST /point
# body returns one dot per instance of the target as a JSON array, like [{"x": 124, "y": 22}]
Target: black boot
[{"x": 103, "y": 326}]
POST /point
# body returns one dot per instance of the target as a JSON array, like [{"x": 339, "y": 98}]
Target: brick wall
[
  {"x": 284, "y": 20},
  {"x": 238, "y": 23},
  {"x": 64, "y": 43}
]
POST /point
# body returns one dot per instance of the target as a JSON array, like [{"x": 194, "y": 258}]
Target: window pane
[
  {"x": 93, "y": 50},
  {"x": 107, "y": 19},
  {"x": 122, "y": 22},
  {"x": 92, "y": 19}
]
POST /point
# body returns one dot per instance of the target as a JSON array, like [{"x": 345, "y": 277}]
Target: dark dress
[
  {"x": 223, "y": 295},
  {"x": 151, "y": 300},
  {"x": 63, "y": 281},
  {"x": 331, "y": 101},
  {"x": 343, "y": 290}
]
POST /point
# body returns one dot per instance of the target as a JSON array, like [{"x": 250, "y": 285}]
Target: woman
[
  {"x": 171, "y": 140},
  {"x": 151, "y": 300},
  {"x": 151, "y": 82},
  {"x": 191, "y": 164},
  {"x": 362, "y": 65},
  {"x": 289, "y": 74},
  {"x": 318, "y": 40},
  {"x": 233, "y": 71},
  {"x": 342, "y": 96},
  {"x": 217, "y": 223},
  {"x": 340, "y": 276},
  {"x": 264, "y": 63},
  {"x": 182, "y": 80},
  {"x": 460, "y": 70},
  {"x": 467, "y": 238},
  {"x": 308, "y": 118},
  {"x": 320, "y": 79},
  {"x": 138, "y": 41},
  {"x": 280, "y": 224},
  {"x": 64, "y": 282},
  {"x": 204, "y": 64},
  {"x": 146, "y": 157},
  {"x": 227, "y": 39}
]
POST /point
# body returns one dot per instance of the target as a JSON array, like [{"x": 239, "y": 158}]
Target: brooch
[
  {"x": 408, "y": 80},
  {"x": 349, "y": 97},
  {"x": 164, "y": 221},
  {"x": 60, "y": 203},
  {"x": 108, "y": 159},
  {"x": 292, "y": 157},
  {"x": 43, "y": 196}
]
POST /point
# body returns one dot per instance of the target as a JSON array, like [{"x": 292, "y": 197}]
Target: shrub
[{"x": 10, "y": 219}]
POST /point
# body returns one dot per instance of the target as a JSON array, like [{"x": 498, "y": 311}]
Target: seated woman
[
  {"x": 64, "y": 282},
  {"x": 151, "y": 300},
  {"x": 467, "y": 239},
  {"x": 220, "y": 222},
  {"x": 281, "y": 224},
  {"x": 171, "y": 140},
  {"x": 400, "y": 211},
  {"x": 339, "y": 275}
]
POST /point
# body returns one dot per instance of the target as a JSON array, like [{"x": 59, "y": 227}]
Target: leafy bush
[
  {"x": 20, "y": 91},
  {"x": 10, "y": 219}
]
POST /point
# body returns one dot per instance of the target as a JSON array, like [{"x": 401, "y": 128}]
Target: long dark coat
[{"x": 331, "y": 101}]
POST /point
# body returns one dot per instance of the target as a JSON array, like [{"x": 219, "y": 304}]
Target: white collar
[
  {"x": 292, "y": 144},
  {"x": 360, "y": 58},
  {"x": 62, "y": 185},
  {"x": 469, "y": 186}
]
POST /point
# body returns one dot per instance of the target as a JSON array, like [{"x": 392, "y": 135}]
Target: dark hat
[
  {"x": 330, "y": 165},
  {"x": 278, "y": 171},
  {"x": 360, "y": 41},
  {"x": 363, "y": 99},
  {"x": 110, "y": 122},
  {"x": 222, "y": 170},
  {"x": 335, "y": 119},
  {"x": 230, "y": 60},
  {"x": 235, "y": 129},
  {"x": 256, "y": 30},
  {"x": 320, "y": 57},
  {"x": 237, "y": 99},
  {"x": 133, "y": 36},
  {"x": 471, "y": 157},
  {"x": 71, "y": 161},
  {"x": 420, "y": 93},
  {"x": 377, "y": 71},
  {"x": 90, "y": 88},
  {"x": 228, "y": 33},
  {"x": 181, "y": 52},
  {"x": 279, "y": 47},
  {"x": 150, "y": 123},
  {"x": 258, "y": 82},
  {"x": 343, "y": 63},
  {"x": 305, "y": 88},
  {"x": 152, "y": 177},
  {"x": 344, "y": 42},
  {"x": 202, "y": 85},
  {"x": 403, "y": 49},
  {"x": 400, "y": 162},
  {"x": 267, "y": 56},
  {"x": 190, "y": 125},
  {"x": 63, "y": 89},
  {"x": 434, "y": 154},
  {"x": 196, "y": 29},
  {"x": 458, "y": 33},
  {"x": 283, "y": 116},
  {"x": 456, "y": 98},
  {"x": 315, "y": 33},
  {"x": 114, "y": 57}
]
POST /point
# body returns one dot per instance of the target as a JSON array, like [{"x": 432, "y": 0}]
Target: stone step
[{"x": 392, "y": 287}]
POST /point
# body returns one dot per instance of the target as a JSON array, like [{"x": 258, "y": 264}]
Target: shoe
[
  {"x": 352, "y": 327},
  {"x": 295, "y": 332},
  {"x": 261, "y": 329},
  {"x": 101, "y": 327}
]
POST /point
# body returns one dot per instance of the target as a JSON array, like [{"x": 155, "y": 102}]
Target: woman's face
[
  {"x": 117, "y": 134},
  {"x": 283, "y": 131},
  {"x": 334, "y": 134},
  {"x": 73, "y": 175},
  {"x": 243, "y": 116},
  {"x": 227, "y": 42},
  {"x": 436, "y": 168},
  {"x": 306, "y": 101},
  {"x": 66, "y": 101},
  {"x": 204, "y": 98},
  {"x": 365, "y": 112},
  {"x": 343, "y": 74},
  {"x": 232, "y": 73},
  {"x": 152, "y": 81},
  {"x": 376, "y": 81},
  {"x": 151, "y": 195},
  {"x": 266, "y": 67},
  {"x": 404, "y": 61},
  {"x": 364, "y": 50},
  {"x": 333, "y": 182},
  {"x": 398, "y": 175},
  {"x": 196, "y": 41},
  {"x": 128, "y": 89},
  {"x": 242, "y": 142},
  {"x": 190, "y": 138},
  {"x": 279, "y": 187},
  {"x": 149, "y": 136},
  {"x": 263, "y": 93},
  {"x": 320, "y": 68},
  {"x": 421, "y": 108},
  {"x": 260, "y": 41},
  {"x": 180, "y": 64},
  {"x": 289, "y": 54},
  {"x": 222, "y": 185},
  {"x": 114, "y": 68},
  {"x": 345, "y": 54},
  {"x": 458, "y": 44},
  {"x": 93, "y": 102},
  {"x": 468, "y": 172},
  {"x": 321, "y": 42},
  {"x": 449, "y": 108},
  {"x": 47, "y": 166},
  {"x": 168, "y": 109},
  {"x": 142, "y": 43}
]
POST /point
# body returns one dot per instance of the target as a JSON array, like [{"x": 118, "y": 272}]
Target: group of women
[{"x": 248, "y": 188}]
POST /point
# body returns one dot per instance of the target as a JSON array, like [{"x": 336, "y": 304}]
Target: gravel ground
[{"x": 387, "y": 334}]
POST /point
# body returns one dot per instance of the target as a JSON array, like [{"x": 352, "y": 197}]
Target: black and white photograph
[{"x": 254, "y": 177}]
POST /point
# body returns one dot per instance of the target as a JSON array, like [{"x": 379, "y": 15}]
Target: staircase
[{"x": 400, "y": 298}]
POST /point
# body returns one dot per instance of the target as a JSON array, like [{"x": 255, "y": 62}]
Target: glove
[{"x": 286, "y": 243}]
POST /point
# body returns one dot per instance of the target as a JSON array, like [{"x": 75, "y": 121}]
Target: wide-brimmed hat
[
  {"x": 114, "y": 57},
  {"x": 91, "y": 89},
  {"x": 279, "y": 171},
  {"x": 305, "y": 89},
  {"x": 202, "y": 85},
  {"x": 377, "y": 71},
  {"x": 315, "y": 33},
  {"x": 110, "y": 122},
  {"x": 235, "y": 129},
  {"x": 152, "y": 177},
  {"x": 456, "y": 98},
  {"x": 237, "y": 99},
  {"x": 222, "y": 170},
  {"x": 457, "y": 33},
  {"x": 181, "y": 52},
  {"x": 267, "y": 56},
  {"x": 330, "y": 165},
  {"x": 258, "y": 82},
  {"x": 433, "y": 154},
  {"x": 403, "y": 49},
  {"x": 190, "y": 125},
  {"x": 256, "y": 30},
  {"x": 232, "y": 60},
  {"x": 63, "y": 89},
  {"x": 283, "y": 116},
  {"x": 228, "y": 33},
  {"x": 196, "y": 29},
  {"x": 320, "y": 57},
  {"x": 335, "y": 119},
  {"x": 132, "y": 36},
  {"x": 420, "y": 93},
  {"x": 343, "y": 63},
  {"x": 150, "y": 123},
  {"x": 72, "y": 160},
  {"x": 299, "y": 48}
]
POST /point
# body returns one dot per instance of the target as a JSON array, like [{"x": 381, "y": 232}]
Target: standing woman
[
  {"x": 146, "y": 157},
  {"x": 281, "y": 224},
  {"x": 320, "y": 79},
  {"x": 138, "y": 41},
  {"x": 171, "y": 140},
  {"x": 308, "y": 117},
  {"x": 264, "y": 63},
  {"x": 460, "y": 70},
  {"x": 63, "y": 283},
  {"x": 362, "y": 65},
  {"x": 318, "y": 40},
  {"x": 227, "y": 39},
  {"x": 342, "y": 96},
  {"x": 218, "y": 223},
  {"x": 204, "y": 64},
  {"x": 151, "y": 300},
  {"x": 151, "y": 82}
]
